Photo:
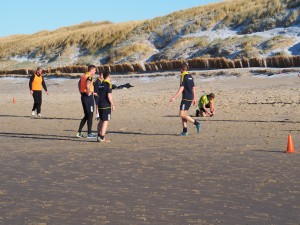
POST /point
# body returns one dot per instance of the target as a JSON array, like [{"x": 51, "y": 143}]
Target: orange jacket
[
  {"x": 83, "y": 80},
  {"x": 37, "y": 83}
]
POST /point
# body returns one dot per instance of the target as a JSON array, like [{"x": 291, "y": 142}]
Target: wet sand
[{"x": 234, "y": 172}]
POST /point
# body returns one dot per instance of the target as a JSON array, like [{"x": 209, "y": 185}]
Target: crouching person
[
  {"x": 206, "y": 105},
  {"x": 105, "y": 107}
]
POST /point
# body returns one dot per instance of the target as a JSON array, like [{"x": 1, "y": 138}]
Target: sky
[{"x": 31, "y": 16}]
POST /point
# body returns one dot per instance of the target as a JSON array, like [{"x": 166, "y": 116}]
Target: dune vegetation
[{"x": 171, "y": 37}]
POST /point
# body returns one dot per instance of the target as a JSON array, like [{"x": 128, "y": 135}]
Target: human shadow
[
  {"x": 211, "y": 119},
  {"x": 140, "y": 133},
  {"x": 268, "y": 151},
  {"x": 39, "y": 136},
  {"x": 134, "y": 133},
  {"x": 251, "y": 121},
  {"x": 40, "y": 118}
]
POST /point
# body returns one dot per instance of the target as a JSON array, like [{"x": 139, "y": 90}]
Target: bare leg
[
  {"x": 104, "y": 127},
  {"x": 184, "y": 123},
  {"x": 100, "y": 127},
  {"x": 183, "y": 115}
]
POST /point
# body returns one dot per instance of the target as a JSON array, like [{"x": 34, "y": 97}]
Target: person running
[
  {"x": 86, "y": 89},
  {"x": 206, "y": 102},
  {"x": 106, "y": 106},
  {"x": 188, "y": 90},
  {"x": 97, "y": 82},
  {"x": 36, "y": 84}
]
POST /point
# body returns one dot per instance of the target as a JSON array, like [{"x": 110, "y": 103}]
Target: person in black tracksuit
[{"x": 36, "y": 84}]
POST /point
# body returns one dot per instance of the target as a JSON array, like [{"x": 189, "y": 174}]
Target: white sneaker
[
  {"x": 39, "y": 115},
  {"x": 33, "y": 113}
]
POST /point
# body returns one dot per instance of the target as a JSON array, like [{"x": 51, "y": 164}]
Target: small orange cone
[
  {"x": 14, "y": 100},
  {"x": 290, "y": 145}
]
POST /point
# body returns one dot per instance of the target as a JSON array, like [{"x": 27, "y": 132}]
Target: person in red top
[
  {"x": 36, "y": 84},
  {"x": 86, "y": 89}
]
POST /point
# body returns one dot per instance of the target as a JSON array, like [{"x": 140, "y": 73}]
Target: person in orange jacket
[
  {"x": 36, "y": 84},
  {"x": 86, "y": 89}
]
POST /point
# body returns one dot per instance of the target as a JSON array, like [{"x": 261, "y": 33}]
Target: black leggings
[
  {"x": 88, "y": 109},
  {"x": 37, "y": 97}
]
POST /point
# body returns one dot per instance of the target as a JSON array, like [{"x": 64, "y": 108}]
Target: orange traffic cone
[
  {"x": 14, "y": 100},
  {"x": 290, "y": 145}
]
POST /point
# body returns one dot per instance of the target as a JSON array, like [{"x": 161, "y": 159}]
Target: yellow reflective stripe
[
  {"x": 182, "y": 76},
  {"x": 187, "y": 100},
  {"x": 110, "y": 85},
  {"x": 105, "y": 108}
]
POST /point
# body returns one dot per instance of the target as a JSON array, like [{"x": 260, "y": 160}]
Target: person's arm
[
  {"x": 96, "y": 87},
  {"x": 79, "y": 85},
  {"x": 177, "y": 94},
  {"x": 212, "y": 108},
  {"x": 44, "y": 85},
  {"x": 88, "y": 83},
  {"x": 194, "y": 93},
  {"x": 110, "y": 99},
  {"x": 205, "y": 109},
  {"x": 30, "y": 84}
]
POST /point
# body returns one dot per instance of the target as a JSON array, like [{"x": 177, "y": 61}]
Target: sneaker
[
  {"x": 40, "y": 115},
  {"x": 91, "y": 135},
  {"x": 184, "y": 134},
  {"x": 33, "y": 113},
  {"x": 198, "y": 127},
  {"x": 102, "y": 140},
  {"x": 79, "y": 135}
]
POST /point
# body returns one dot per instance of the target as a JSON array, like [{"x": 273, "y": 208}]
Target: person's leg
[
  {"x": 90, "y": 122},
  {"x": 84, "y": 119},
  {"x": 183, "y": 115},
  {"x": 39, "y": 102},
  {"x": 34, "y": 95},
  {"x": 104, "y": 128},
  {"x": 99, "y": 127},
  {"x": 90, "y": 110},
  {"x": 186, "y": 118},
  {"x": 103, "y": 124}
]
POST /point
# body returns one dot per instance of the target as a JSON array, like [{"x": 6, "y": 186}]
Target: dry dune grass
[
  {"x": 278, "y": 42},
  {"x": 91, "y": 36},
  {"x": 126, "y": 51},
  {"x": 230, "y": 12},
  {"x": 169, "y": 65}
]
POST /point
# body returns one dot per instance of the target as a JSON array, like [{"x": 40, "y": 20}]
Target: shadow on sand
[
  {"x": 41, "y": 136},
  {"x": 40, "y": 118},
  {"x": 210, "y": 119}
]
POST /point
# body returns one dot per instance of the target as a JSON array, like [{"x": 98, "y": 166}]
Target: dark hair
[
  {"x": 90, "y": 67},
  {"x": 211, "y": 95},
  {"x": 106, "y": 74},
  {"x": 39, "y": 68},
  {"x": 184, "y": 67}
]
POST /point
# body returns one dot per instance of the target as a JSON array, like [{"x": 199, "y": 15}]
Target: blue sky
[{"x": 30, "y": 16}]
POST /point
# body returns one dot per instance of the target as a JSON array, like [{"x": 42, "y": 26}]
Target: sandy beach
[{"x": 235, "y": 171}]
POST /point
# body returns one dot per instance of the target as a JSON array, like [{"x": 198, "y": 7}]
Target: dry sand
[{"x": 234, "y": 172}]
